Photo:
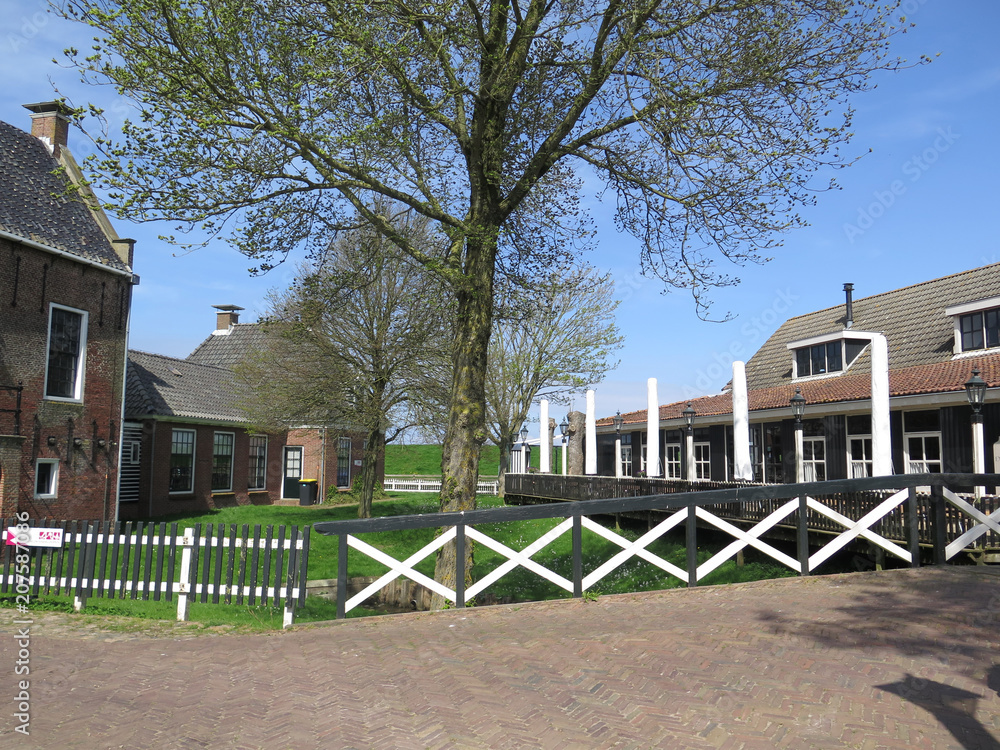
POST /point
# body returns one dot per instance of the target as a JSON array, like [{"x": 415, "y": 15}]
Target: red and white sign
[{"x": 34, "y": 537}]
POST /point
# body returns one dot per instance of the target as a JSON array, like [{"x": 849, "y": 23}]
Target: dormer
[
  {"x": 826, "y": 355},
  {"x": 977, "y": 325}
]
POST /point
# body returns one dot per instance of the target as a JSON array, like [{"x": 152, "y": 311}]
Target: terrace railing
[
  {"x": 403, "y": 483},
  {"x": 951, "y": 521}
]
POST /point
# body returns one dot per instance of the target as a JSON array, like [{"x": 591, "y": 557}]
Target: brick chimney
[
  {"x": 226, "y": 318},
  {"x": 50, "y": 124}
]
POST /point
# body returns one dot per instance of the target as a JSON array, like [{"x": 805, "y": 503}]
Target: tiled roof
[
  {"x": 170, "y": 387},
  {"x": 912, "y": 319},
  {"x": 227, "y": 349},
  {"x": 35, "y": 203}
]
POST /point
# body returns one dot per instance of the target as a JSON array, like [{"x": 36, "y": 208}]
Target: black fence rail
[
  {"x": 896, "y": 497},
  {"x": 522, "y": 489},
  {"x": 211, "y": 563}
]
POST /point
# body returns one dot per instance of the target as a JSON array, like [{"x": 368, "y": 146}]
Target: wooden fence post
[{"x": 183, "y": 586}]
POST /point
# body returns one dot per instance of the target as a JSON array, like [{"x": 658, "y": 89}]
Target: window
[
  {"x": 67, "y": 347},
  {"x": 702, "y": 461},
  {"x": 672, "y": 454},
  {"x": 344, "y": 462},
  {"x": 922, "y": 441},
  {"x": 46, "y": 478},
  {"x": 814, "y": 459},
  {"x": 980, "y": 330},
  {"x": 859, "y": 446},
  {"x": 256, "y": 476},
  {"x": 827, "y": 357},
  {"x": 627, "y": 460},
  {"x": 182, "y": 461},
  {"x": 222, "y": 462}
]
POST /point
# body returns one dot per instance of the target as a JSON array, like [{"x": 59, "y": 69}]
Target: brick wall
[
  {"x": 322, "y": 465},
  {"x": 30, "y": 282},
  {"x": 155, "y": 498}
]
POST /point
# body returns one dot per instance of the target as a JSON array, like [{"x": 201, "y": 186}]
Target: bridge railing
[{"x": 792, "y": 505}]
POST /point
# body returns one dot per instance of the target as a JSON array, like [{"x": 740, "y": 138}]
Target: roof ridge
[{"x": 182, "y": 360}]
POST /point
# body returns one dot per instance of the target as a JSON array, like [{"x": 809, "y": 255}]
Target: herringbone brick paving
[{"x": 899, "y": 659}]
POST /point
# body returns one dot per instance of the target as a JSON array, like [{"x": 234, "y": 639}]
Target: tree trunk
[
  {"x": 505, "y": 446},
  {"x": 374, "y": 448},
  {"x": 466, "y": 431}
]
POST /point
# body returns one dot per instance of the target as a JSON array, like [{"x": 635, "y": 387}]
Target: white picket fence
[{"x": 398, "y": 483}]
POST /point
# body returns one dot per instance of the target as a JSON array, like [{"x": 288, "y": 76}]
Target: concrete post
[
  {"x": 652, "y": 430},
  {"x": 591, "y": 452},
  {"x": 743, "y": 468},
  {"x": 545, "y": 441},
  {"x": 881, "y": 439}
]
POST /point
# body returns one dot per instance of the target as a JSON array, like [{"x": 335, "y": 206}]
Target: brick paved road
[{"x": 902, "y": 659}]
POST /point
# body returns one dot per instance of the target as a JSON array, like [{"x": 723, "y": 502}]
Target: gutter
[{"x": 65, "y": 254}]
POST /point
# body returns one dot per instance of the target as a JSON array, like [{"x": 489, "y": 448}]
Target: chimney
[
  {"x": 50, "y": 124},
  {"x": 849, "y": 314},
  {"x": 226, "y": 318}
]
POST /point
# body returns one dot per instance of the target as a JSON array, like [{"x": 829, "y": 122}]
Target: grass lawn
[{"x": 425, "y": 460}]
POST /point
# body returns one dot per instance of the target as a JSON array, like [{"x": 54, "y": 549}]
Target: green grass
[{"x": 425, "y": 460}]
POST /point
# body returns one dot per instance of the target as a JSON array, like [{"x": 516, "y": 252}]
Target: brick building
[
  {"x": 65, "y": 293},
  {"x": 187, "y": 446}
]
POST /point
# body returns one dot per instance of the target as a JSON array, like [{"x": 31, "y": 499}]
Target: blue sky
[{"x": 921, "y": 204}]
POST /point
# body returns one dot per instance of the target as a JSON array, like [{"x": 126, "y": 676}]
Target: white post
[
  {"x": 591, "y": 436},
  {"x": 978, "y": 451},
  {"x": 652, "y": 430},
  {"x": 544, "y": 458},
  {"x": 618, "y": 454},
  {"x": 799, "y": 468},
  {"x": 184, "y": 585},
  {"x": 565, "y": 447},
  {"x": 743, "y": 468},
  {"x": 524, "y": 457},
  {"x": 689, "y": 450},
  {"x": 881, "y": 439}
]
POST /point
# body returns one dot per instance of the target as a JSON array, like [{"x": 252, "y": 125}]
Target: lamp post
[
  {"x": 618, "y": 419},
  {"x": 798, "y": 403},
  {"x": 689, "y": 413},
  {"x": 563, "y": 426},
  {"x": 975, "y": 389},
  {"x": 524, "y": 450}
]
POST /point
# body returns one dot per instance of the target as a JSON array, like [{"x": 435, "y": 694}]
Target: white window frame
[
  {"x": 81, "y": 362},
  {"x": 232, "y": 458},
  {"x": 53, "y": 485},
  {"x": 702, "y": 461},
  {"x": 194, "y": 453},
  {"x": 840, "y": 336},
  {"x": 626, "y": 459},
  {"x": 923, "y": 436},
  {"x": 853, "y": 463},
  {"x": 957, "y": 311},
  {"x": 672, "y": 460},
  {"x": 810, "y": 464},
  {"x": 251, "y": 474}
]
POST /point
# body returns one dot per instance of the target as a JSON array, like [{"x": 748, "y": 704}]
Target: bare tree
[
  {"x": 276, "y": 122},
  {"x": 552, "y": 338},
  {"x": 356, "y": 342}
]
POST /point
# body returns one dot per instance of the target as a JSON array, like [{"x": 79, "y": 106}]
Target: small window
[
  {"x": 673, "y": 460},
  {"x": 827, "y": 357},
  {"x": 222, "y": 462},
  {"x": 46, "y": 478},
  {"x": 980, "y": 329},
  {"x": 702, "y": 461},
  {"x": 67, "y": 348},
  {"x": 256, "y": 477},
  {"x": 344, "y": 462},
  {"x": 814, "y": 459},
  {"x": 182, "y": 461}
]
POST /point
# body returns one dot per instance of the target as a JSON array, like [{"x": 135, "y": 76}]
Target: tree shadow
[{"x": 953, "y": 707}]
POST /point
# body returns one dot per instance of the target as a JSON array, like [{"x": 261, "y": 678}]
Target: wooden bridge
[{"x": 844, "y": 503}]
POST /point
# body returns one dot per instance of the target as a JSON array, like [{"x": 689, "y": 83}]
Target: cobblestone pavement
[{"x": 900, "y": 659}]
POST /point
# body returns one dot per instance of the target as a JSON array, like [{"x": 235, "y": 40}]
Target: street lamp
[
  {"x": 689, "y": 413},
  {"x": 975, "y": 389},
  {"x": 798, "y": 403},
  {"x": 618, "y": 419}
]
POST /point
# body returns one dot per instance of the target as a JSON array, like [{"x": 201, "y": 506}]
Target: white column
[
  {"x": 565, "y": 450},
  {"x": 689, "y": 453},
  {"x": 590, "y": 462},
  {"x": 618, "y": 454},
  {"x": 652, "y": 430},
  {"x": 881, "y": 440},
  {"x": 978, "y": 451},
  {"x": 544, "y": 457},
  {"x": 799, "y": 469},
  {"x": 743, "y": 468},
  {"x": 524, "y": 457}
]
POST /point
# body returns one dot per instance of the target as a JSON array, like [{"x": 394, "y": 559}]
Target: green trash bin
[{"x": 308, "y": 491}]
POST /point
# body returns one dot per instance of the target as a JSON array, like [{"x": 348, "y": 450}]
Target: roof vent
[{"x": 849, "y": 314}]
